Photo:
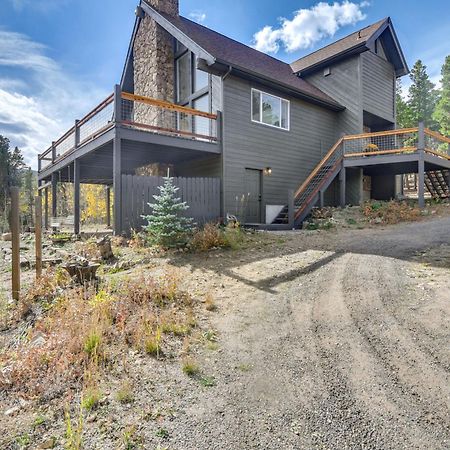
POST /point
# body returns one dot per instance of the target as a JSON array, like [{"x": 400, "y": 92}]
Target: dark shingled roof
[
  {"x": 357, "y": 39},
  {"x": 247, "y": 59}
]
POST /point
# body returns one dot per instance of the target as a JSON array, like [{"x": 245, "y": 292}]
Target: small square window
[{"x": 326, "y": 71}]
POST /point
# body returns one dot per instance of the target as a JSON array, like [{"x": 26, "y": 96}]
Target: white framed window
[{"x": 270, "y": 110}]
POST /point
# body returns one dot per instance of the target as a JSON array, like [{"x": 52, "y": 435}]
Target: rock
[
  {"x": 12, "y": 411},
  {"x": 6, "y": 237},
  {"x": 38, "y": 340},
  {"x": 48, "y": 443}
]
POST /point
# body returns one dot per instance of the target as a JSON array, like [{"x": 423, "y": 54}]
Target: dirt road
[{"x": 333, "y": 341}]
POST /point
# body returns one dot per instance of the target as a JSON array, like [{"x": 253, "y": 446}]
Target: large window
[
  {"x": 270, "y": 110},
  {"x": 193, "y": 90}
]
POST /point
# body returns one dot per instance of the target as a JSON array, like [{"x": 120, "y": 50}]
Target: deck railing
[
  {"x": 133, "y": 111},
  {"x": 405, "y": 140},
  {"x": 381, "y": 143}
]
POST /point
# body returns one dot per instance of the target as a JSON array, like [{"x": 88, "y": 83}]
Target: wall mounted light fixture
[{"x": 268, "y": 171}]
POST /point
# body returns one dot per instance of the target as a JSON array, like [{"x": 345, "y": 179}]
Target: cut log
[
  {"x": 104, "y": 247},
  {"x": 82, "y": 273},
  {"x": 6, "y": 237}
]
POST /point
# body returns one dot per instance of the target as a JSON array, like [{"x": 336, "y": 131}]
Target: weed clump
[{"x": 391, "y": 212}]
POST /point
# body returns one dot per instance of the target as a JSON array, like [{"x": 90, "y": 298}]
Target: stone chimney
[
  {"x": 154, "y": 63},
  {"x": 170, "y": 7}
]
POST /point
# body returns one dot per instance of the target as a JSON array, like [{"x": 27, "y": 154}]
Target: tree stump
[{"x": 104, "y": 247}]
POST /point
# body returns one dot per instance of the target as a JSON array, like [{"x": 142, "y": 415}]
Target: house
[{"x": 251, "y": 135}]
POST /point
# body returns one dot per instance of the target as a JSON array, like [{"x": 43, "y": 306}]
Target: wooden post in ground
[
  {"x": 15, "y": 243},
  {"x": 38, "y": 235}
]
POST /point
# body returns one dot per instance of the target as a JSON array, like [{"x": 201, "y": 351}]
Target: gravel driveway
[{"x": 333, "y": 341}]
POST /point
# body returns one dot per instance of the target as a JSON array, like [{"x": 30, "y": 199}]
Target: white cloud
[
  {"x": 38, "y": 100},
  {"x": 197, "y": 16},
  {"x": 309, "y": 26}
]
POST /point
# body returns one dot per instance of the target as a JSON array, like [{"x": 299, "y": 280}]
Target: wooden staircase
[
  {"x": 308, "y": 194},
  {"x": 436, "y": 183}
]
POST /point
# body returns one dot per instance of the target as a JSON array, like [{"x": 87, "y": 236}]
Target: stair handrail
[{"x": 318, "y": 167}]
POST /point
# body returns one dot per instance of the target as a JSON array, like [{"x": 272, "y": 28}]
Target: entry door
[{"x": 253, "y": 192}]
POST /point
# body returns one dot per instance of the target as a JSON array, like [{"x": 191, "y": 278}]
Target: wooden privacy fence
[{"x": 201, "y": 194}]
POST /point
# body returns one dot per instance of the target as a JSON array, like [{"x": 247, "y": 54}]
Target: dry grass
[
  {"x": 390, "y": 212},
  {"x": 84, "y": 331},
  {"x": 212, "y": 236}
]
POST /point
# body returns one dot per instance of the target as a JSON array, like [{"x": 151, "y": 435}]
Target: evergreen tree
[
  {"x": 442, "y": 112},
  {"x": 404, "y": 115},
  {"x": 422, "y": 96},
  {"x": 166, "y": 226}
]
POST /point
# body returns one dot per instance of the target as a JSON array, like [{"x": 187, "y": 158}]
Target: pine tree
[
  {"x": 404, "y": 115},
  {"x": 166, "y": 226},
  {"x": 422, "y": 96},
  {"x": 442, "y": 112}
]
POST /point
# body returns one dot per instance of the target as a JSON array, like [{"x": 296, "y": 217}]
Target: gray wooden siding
[
  {"x": 378, "y": 86},
  {"x": 216, "y": 94},
  {"x": 209, "y": 167},
  {"x": 201, "y": 194},
  {"x": 344, "y": 85},
  {"x": 292, "y": 155}
]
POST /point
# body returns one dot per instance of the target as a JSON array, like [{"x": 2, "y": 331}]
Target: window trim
[{"x": 281, "y": 99}]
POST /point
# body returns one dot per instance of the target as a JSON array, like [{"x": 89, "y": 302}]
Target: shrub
[{"x": 208, "y": 237}]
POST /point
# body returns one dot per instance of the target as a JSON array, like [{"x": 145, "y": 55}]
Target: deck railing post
[
  {"x": 421, "y": 137},
  {"x": 39, "y": 163},
  {"x": 291, "y": 208},
  {"x": 117, "y": 103},
  {"x": 77, "y": 133},
  {"x": 53, "y": 152}
]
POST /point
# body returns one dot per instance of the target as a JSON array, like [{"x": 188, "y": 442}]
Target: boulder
[{"x": 6, "y": 237}]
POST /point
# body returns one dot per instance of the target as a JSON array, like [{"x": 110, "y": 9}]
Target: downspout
[{"x": 224, "y": 77}]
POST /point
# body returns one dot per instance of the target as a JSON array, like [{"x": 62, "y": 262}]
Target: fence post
[
  {"x": 108, "y": 206},
  {"x": 291, "y": 208},
  {"x": 38, "y": 235},
  {"x": 46, "y": 208},
  {"x": 421, "y": 165},
  {"x": 15, "y": 243}
]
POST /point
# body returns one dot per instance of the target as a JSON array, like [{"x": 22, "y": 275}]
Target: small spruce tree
[{"x": 167, "y": 226}]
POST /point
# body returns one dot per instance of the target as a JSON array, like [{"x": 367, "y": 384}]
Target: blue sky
[{"x": 59, "y": 58}]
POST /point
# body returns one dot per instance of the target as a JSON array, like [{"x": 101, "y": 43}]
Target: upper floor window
[{"x": 270, "y": 110}]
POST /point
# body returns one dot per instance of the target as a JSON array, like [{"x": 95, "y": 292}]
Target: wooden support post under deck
[
  {"x": 342, "y": 182},
  {"x": 76, "y": 197},
  {"x": 54, "y": 195},
  {"x": 46, "y": 208},
  {"x": 15, "y": 243},
  {"x": 321, "y": 198},
  {"x": 117, "y": 183},
  {"x": 108, "y": 206},
  {"x": 421, "y": 165}
]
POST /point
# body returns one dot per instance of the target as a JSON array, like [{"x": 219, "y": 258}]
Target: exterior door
[{"x": 253, "y": 191}]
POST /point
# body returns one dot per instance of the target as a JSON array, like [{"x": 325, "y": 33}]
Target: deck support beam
[
  {"x": 421, "y": 165},
  {"x": 54, "y": 195},
  {"x": 46, "y": 208},
  {"x": 117, "y": 184},
  {"x": 76, "y": 197},
  {"x": 342, "y": 182},
  {"x": 321, "y": 198},
  {"x": 108, "y": 206}
]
